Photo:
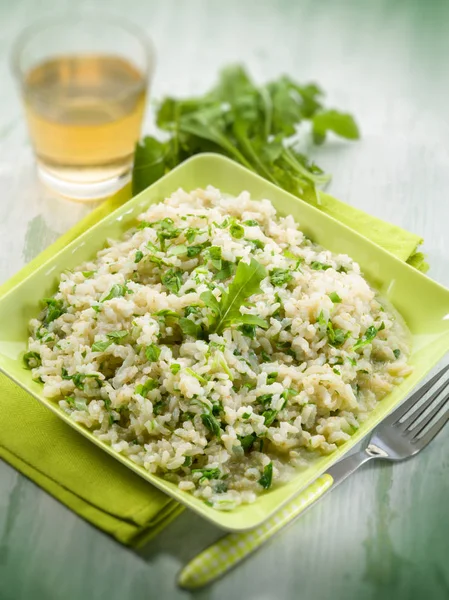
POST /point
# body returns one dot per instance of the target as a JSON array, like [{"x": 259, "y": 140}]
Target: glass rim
[{"x": 67, "y": 19}]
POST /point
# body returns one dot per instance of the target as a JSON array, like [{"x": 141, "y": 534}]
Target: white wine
[{"x": 84, "y": 114}]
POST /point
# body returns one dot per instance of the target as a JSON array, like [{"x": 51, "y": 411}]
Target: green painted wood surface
[{"x": 385, "y": 532}]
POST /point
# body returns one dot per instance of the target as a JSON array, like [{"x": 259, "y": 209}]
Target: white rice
[{"x": 316, "y": 396}]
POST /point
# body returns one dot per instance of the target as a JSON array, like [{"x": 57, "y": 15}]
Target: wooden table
[{"x": 385, "y": 532}]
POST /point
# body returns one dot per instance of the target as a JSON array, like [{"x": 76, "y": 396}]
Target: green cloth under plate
[{"x": 80, "y": 475}]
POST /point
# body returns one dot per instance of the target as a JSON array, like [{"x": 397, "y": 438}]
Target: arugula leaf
[
  {"x": 152, "y": 353},
  {"x": 245, "y": 284},
  {"x": 267, "y": 476}
]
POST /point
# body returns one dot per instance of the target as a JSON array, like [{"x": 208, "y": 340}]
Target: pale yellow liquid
[{"x": 84, "y": 114}]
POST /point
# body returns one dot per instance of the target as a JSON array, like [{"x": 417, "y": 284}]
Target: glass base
[{"x": 83, "y": 191}]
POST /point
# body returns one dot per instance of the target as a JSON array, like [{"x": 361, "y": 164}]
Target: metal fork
[{"x": 402, "y": 434}]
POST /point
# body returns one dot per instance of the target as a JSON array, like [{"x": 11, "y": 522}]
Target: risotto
[{"x": 217, "y": 346}]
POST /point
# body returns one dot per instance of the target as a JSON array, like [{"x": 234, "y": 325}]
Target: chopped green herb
[
  {"x": 267, "y": 477},
  {"x": 172, "y": 280},
  {"x": 117, "y": 335},
  {"x": 280, "y": 276},
  {"x": 211, "y": 423},
  {"x": 191, "y": 234},
  {"x": 319, "y": 266},
  {"x": 271, "y": 377},
  {"x": 336, "y": 371},
  {"x": 335, "y": 297},
  {"x": 32, "y": 360},
  {"x": 207, "y": 474},
  {"x": 194, "y": 250},
  {"x": 117, "y": 291},
  {"x": 237, "y": 231},
  {"x": 367, "y": 338},
  {"x": 191, "y": 372},
  {"x": 265, "y": 356},
  {"x": 321, "y": 320},
  {"x": 269, "y": 416},
  {"x": 177, "y": 250},
  {"x": 187, "y": 461},
  {"x": 247, "y": 441},
  {"x": 88, "y": 274},
  {"x": 214, "y": 255},
  {"x": 251, "y": 223},
  {"x": 246, "y": 415},
  {"x": 143, "y": 389},
  {"x": 248, "y": 331},
  {"x": 138, "y": 257},
  {"x": 264, "y": 399},
  {"x": 175, "y": 368},
  {"x": 336, "y": 337},
  {"x": 166, "y": 312},
  {"x": 152, "y": 353},
  {"x": 192, "y": 310},
  {"x": 397, "y": 353},
  {"x": 101, "y": 346},
  {"x": 55, "y": 308},
  {"x": 352, "y": 361}
]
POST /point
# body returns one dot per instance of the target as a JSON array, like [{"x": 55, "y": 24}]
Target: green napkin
[{"x": 80, "y": 475}]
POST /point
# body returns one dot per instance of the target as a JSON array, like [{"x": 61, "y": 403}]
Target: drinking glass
[{"x": 83, "y": 80}]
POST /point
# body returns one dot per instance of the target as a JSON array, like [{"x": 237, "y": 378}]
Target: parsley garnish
[
  {"x": 280, "y": 276},
  {"x": 267, "y": 476}
]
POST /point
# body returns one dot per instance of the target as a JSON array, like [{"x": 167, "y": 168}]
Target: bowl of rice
[{"x": 217, "y": 340}]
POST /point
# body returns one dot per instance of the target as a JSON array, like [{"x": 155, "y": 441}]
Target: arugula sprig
[{"x": 226, "y": 311}]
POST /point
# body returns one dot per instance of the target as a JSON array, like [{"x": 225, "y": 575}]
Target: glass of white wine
[{"x": 84, "y": 80}]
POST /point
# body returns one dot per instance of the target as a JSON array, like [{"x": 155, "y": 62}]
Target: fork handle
[{"x": 231, "y": 549}]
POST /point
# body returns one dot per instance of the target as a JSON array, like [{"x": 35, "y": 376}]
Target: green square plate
[{"x": 423, "y": 303}]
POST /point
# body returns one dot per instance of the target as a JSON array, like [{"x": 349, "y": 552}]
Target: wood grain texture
[{"x": 385, "y": 532}]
